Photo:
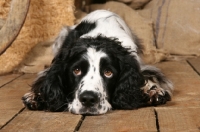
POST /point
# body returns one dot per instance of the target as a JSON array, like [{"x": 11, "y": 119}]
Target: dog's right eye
[{"x": 77, "y": 71}]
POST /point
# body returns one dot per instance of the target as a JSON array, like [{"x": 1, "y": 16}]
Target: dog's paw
[
  {"x": 155, "y": 95},
  {"x": 29, "y": 101}
]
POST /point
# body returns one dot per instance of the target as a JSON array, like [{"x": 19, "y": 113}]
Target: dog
[{"x": 97, "y": 68}]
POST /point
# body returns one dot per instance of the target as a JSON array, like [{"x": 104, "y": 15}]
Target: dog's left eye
[
  {"x": 108, "y": 73},
  {"x": 77, "y": 71}
]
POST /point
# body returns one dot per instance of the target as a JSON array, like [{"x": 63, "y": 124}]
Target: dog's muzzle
[{"x": 89, "y": 102}]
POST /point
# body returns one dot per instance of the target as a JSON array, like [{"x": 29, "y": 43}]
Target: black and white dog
[{"x": 97, "y": 68}]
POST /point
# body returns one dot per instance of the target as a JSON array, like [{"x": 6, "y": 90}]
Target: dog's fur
[{"x": 97, "y": 68}]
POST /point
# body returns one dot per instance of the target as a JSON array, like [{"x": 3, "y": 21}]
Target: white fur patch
[
  {"x": 111, "y": 25},
  {"x": 92, "y": 81}
]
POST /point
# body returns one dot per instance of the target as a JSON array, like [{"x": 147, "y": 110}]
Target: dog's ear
[
  {"x": 49, "y": 88},
  {"x": 127, "y": 94},
  {"x": 52, "y": 88}
]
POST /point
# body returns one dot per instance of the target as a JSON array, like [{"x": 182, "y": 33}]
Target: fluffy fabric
[
  {"x": 141, "y": 26},
  {"x": 175, "y": 32},
  {"x": 44, "y": 20},
  {"x": 97, "y": 68},
  {"x": 5, "y": 6},
  {"x": 135, "y": 4}
]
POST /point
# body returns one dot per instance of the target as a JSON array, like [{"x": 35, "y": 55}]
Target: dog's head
[{"x": 91, "y": 76}]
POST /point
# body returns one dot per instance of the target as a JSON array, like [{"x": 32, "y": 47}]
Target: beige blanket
[
  {"x": 165, "y": 27},
  {"x": 140, "y": 26},
  {"x": 176, "y": 24}
]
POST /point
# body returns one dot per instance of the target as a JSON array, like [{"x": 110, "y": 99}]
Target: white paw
[{"x": 28, "y": 100}]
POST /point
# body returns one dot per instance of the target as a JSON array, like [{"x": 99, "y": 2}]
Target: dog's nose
[{"x": 88, "y": 98}]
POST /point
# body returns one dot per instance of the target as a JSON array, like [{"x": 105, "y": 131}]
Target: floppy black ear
[
  {"x": 127, "y": 94},
  {"x": 49, "y": 88},
  {"x": 52, "y": 89}
]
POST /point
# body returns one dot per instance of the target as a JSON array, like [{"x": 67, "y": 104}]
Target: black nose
[{"x": 88, "y": 98}]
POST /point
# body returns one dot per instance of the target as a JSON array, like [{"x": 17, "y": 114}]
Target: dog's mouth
[
  {"x": 94, "y": 110},
  {"x": 86, "y": 111},
  {"x": 89, "y": 111}
]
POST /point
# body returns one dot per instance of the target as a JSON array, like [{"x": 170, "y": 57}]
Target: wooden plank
[
  {"x": 39, "y": 121},
  {"x": 186, "y": 84},
  {"x": 8, "y": 78},
  {"x": 11, "y": 105},
  {"x": 121, "y": 121},
  {"x": 179, "y": 119},
  {"x": 182, "y": 114},
  {"x": 10, "y": 97},
  {"x": 195, "y": 63}
]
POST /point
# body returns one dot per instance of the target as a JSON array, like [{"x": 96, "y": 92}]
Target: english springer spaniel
[{"x": 97, "y": 68}]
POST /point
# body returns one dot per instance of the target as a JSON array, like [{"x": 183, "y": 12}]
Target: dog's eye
[
  {"x": 108, "y": 73},
  {"x": 77, "y": 71}
]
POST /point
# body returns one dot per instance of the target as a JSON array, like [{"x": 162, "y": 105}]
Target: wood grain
[
  {"x": 11, "y": 105},
  {"x": 8, "y": 78},
  {"x": 10, "y": 97},
  {"x": 182, "y": 114},
  {"x": 179, "y": 119},
  {"x": 121, "y": 121},
  {"x": 14, "y": 22},
  {"x": 40, "y": 121},
  {"x": 186, "y": 84},
  {"x": 195, "y": 63}
]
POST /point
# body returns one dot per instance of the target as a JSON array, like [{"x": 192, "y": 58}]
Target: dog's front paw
[
  {"x": 155, "y": 95},
  {"x": 29, "y": 101}
]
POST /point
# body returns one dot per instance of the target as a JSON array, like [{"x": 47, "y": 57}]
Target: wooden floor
[{"x": 182, "y": 114}]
